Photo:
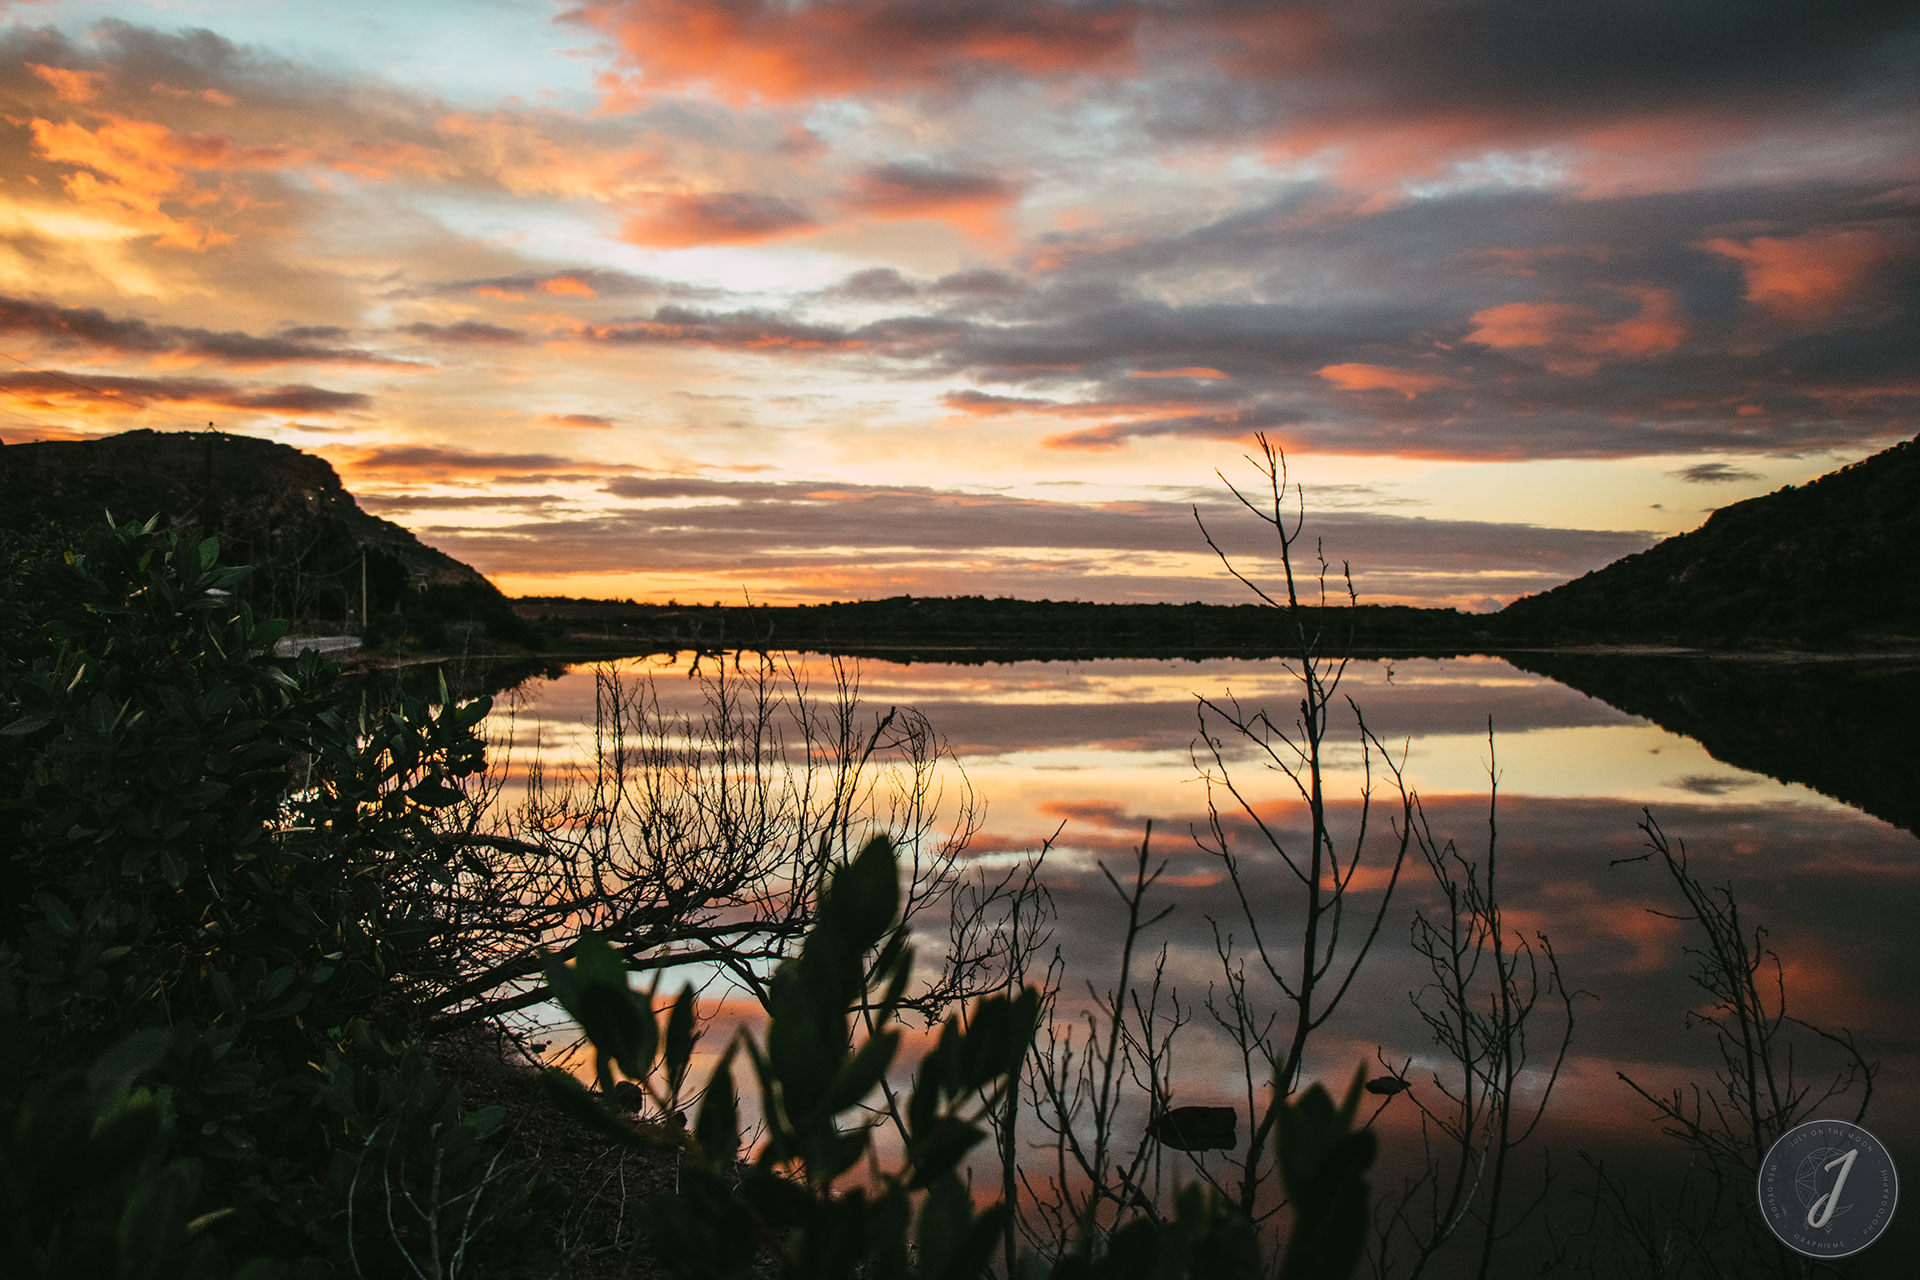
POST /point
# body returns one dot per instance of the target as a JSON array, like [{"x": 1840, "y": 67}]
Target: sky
[{"x": 791, "y": 301}]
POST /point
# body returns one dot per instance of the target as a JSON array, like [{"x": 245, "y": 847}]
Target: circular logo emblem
[{"x": 1827, "y": 1188}]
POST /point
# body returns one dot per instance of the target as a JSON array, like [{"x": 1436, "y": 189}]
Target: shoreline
[{"x": 908, "y": 652}]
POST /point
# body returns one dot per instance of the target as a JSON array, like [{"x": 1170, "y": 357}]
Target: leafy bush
[
  {"x": 207, "y": 860},
  {"x": 223, "y": 907},
  {"x": 794, "y": 1208}
]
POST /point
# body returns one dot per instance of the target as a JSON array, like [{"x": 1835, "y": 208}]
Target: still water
[{"x": 1086, "y": 753}]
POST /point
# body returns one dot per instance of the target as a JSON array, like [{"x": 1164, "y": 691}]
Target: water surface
[{"x": 1087, "y": 753}]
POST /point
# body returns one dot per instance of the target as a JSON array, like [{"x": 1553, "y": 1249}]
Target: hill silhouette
[
  {"x": 1822, "y": 564},
  {"x": 1828, "y": 562},
  {"x": 977, "y": 629},
  {"x": 274, "y": 507}
]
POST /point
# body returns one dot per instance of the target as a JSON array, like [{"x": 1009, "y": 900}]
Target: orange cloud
[
  {"x": 789, "y": 53},
  {"x": 1576, "y": 339},
  {"x": 567, "y": 286},
  {"x": 132, "y": 170},
  {"x": 544, "y": 153},
  {"x": 1379, "y": 377},
  {"x": 974, "y": 202},
  {"x": 982, "y": 404},
  {"x": 215, "y": 96},
  {"x": 1809, "y": 277},
  {"x": 69, "y": 85},
  {"x": 1191, "y": 371},
  {"x": 127, "y": 170},
  {"x": 716, "y": 217},
  {"x": 148, "y": 177}
]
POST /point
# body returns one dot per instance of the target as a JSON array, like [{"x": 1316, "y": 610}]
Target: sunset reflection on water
[{"x": 1096, "y": 749}]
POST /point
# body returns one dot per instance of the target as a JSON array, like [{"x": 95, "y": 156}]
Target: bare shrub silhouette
[
  {"x": 1480, "y": 1005},
  {"x": 701, "y": 837},
  {"x": 1274, "y": 994},
  {"x": 1088, "y": 1077},
  {"x": 1762, "y": 1088},
  {"x": 1102, "y": 1087}
]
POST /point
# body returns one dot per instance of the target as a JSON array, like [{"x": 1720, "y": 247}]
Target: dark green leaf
[
  {"x": 59, "y": 919},
  {"x": 678, "y": 1050},
  {"x": 940, "y": 1150},
  {"x": 717, "y": 1128},
  {"x": 865, "y": 894},
  {"x": 861, "y": 1074}
]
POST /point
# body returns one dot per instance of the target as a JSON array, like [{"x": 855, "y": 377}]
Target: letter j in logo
[
  {"x": 1828, "y": 1188},
  {"x": 1822, "y": 1212}
]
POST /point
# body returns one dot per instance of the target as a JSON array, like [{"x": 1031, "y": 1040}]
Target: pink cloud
[
  {"x": 1354, "y": 376},
  {"x": 974, "y": 202},
  {"x": 788, "y": 53},
  {"x": 1576, "y": 339},
  {"x": 715, "y": 217},
  {"x": 1810, "y": 277},
  {"x": 1191, "y": 371}
]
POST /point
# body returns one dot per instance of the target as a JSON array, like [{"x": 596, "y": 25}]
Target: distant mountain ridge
[
  {"x": 273, "y": 506},
  {"x": 1835, "y": 560}
]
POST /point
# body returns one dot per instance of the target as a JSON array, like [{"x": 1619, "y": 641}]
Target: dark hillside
[
  {"x": 274, "y": 507},
  {"x": 1831, "y": 561},
  {"x": 976, "y": 629}
]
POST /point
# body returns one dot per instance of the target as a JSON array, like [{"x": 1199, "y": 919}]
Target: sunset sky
[{"x": 692, "y": 298}]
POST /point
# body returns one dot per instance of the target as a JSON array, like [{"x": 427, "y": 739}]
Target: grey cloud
[
  {"x": 716, "y": 217},
  {"x": 90, "y": 326},
  {"x": 876, "y": 284},
  {"x": 537, "y": 502},
  {"x": 296, "y": 398},
  {"x": 605, "y": 282},
  {"x": 981, "y": 402},
  {"x": 1514, "y": 69},
  {"x": 436, "y": 459},
  {"x": 1713, "y": 473},
  {"x": 981, "y": 288},
  {"x": 908, "y": 187},
  {"x": 107, "y": 389},
  {"x": 758, "y": 330},
  {"x": 762, "y": 526},
  {"x": 1703, "y": 784},
  {"x": 1405, "y": 290},
  {"x": 466, "y": 333},
  {"x": 981, "y": 281}
]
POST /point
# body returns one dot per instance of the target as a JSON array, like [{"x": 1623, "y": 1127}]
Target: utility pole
[{"x": 363, "y": 591}]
